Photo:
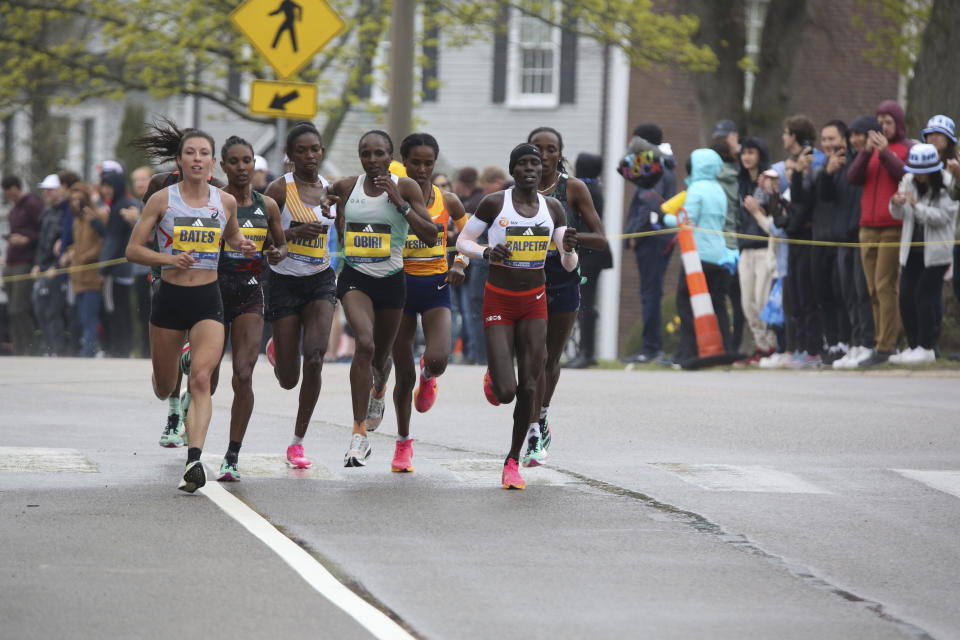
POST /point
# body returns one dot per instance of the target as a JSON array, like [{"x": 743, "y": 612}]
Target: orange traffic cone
[{"x": 710, "y": 347}]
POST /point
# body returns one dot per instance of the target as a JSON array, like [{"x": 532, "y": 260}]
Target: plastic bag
[{"x": 772, "y": 312}]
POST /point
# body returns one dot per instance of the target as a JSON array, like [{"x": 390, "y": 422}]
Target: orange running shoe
[
  {"x": 403, "y": 457},
  {"x": 511, "y": 478},
  {"x": 488, "y": 389},
  {"x": 426, "y": 393}
]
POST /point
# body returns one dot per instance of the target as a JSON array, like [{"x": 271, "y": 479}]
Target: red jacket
[{"x": 880, "y": 174}]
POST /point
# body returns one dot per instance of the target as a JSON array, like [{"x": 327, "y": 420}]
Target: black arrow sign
[{"x": 280, "y": 102}]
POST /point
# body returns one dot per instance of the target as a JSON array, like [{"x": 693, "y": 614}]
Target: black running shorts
[
  {"x": 389, "y": 292},
  {"x": 288, "y": 295},
  {"x": 179, "y": 308},
  {"x": 241, "y": 293}
]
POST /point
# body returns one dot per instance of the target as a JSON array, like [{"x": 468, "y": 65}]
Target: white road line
[
  {"x": 748, "y": 478},
  {"x": 45, "y": 460},
  {"x": 371, "y": 618},
  {"x": 485, "y": 472},
  {"x": 946, "y": 481}
]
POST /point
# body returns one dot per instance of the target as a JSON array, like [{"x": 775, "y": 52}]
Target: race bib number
[
  {"x": 529, "y": 246},
  {"x": 252, "y": 229},
  {"x": 415, "y": 249},
  {"x": 199, "y": 235},
  {"x": 367, "y": 243},
  {"x": 308, "y": 250}
]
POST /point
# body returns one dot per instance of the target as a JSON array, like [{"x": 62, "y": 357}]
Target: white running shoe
[
  {"x": 864, "y": 355},
  {"x": 358, "y": 452},
  {"x": 919, "y": 355},
  {"x": 375, "y": 411},
  {"x": 902, "y": 357}
]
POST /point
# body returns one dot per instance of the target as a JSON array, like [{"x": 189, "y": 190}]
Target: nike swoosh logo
[
  {"x": 543, "y": 293},
  {"x": 441, "y": 286}
]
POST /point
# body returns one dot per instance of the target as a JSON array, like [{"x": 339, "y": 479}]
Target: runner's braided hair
[
  {"x": 560, "y": 166},
  {"x": 377, "y": 132},
  {"x": 419, "y": 140},
  {"x": 298, "y": 130},
  {"x": 233, "y": 141}
]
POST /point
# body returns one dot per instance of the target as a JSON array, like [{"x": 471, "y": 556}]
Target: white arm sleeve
[
  {"x": 568, "y": 260},
  {"x": 467, "y": 240}
]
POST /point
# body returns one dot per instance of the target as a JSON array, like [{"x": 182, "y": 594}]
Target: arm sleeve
[
  {"x": 568, "y": 260},
  {"x": 467, "y": 240},
  {"x": 893, "y": 164},
  {"x": 858, "y": 170}
]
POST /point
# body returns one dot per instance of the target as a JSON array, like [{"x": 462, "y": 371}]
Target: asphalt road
[{"x": 717, "y": 504}]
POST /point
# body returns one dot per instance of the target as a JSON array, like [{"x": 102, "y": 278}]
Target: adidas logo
[
  {"x": 258, "y": 212},
  {"x": 248, "y": 224},
  {"x": 253, "y": 280},
  {"x": 528, "y": 232},
  {"x": 368, "y": 229},
  {"x": 197, "y": 223}
]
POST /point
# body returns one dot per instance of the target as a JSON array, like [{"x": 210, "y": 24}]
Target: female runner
[
  {"x": 241, "y": 289},
  {"x": 377, "y": 212},
  {"x": 563, "y": 287},
  {"x": 428, "y": 295},
  {"x": 190, "y": 219},
  {"x": 520, "y": 223},
  {"x": 302, "y": 285}
]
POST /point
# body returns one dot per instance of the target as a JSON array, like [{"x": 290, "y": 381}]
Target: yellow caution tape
[{"x": 57, "y": 272}]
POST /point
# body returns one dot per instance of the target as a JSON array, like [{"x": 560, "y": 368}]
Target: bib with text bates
[
  {"x": 528, "y": 245},
  {"x": 367, "y": 242},
  {"x": 200, "y": 235},
  {"x": 309, "y": 250},
  {"x": 416, "y": 249},
  {"x": 252, "y": 229}
]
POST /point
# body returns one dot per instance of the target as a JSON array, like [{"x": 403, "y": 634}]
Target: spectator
[
  {"x": 50, "y": 289},
  {"x": 756, "y": 266},
  {"x": 588, "y": 168},
  {"x": 728, "y": 179},
  {"x": 140, "y": 180},
  {"x": 726, "y": 130},
  {"x": 929, "y": 215},
  {"x": 798, "y": 134},
  {"x": 843, "y": 198},
  {"x": 441, "y": 181},
  {"x": 652, "y": 172},
  {"x": 24, "y": 220},
  {"x": 470, "y": 194},
  {"x": 942, "y": 133},
  {"x": 88, "y": 238},
  {"x": 879, "y": 169},
  {"x": 261, "y": 174},
  {"x": 706, "y": 207},
  {"x": 118, "y": 278}
]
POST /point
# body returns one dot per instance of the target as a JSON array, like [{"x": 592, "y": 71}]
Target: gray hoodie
[{"x": 938, "y": 217}]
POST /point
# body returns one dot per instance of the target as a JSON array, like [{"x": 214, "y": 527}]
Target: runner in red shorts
[{"x": 520, "y": 224}]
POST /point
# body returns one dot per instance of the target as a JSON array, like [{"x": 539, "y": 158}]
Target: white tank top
[
  {"x": 183, "y": 228},
  {"x": 375, "y": 233},
  {"x": 305, "y": 257},
  {"x": 527, "y": 238}
]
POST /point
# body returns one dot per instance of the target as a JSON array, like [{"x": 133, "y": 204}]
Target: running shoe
[
  {"x": 193, "y": 478},
  {"x": 296, "y": 459},
  {"x": 546, "y": 437},
  {"x": 511, "y": 478},
  {"x": 426, "y": 393},
  {"x": 375, "y": 410},
  {"x": 358, "y": 452},
  {"x": 403, "y": 457},
  {"x": 184, "y": 405},
  {"x": 173, "y": 433},
  {"x": 536, "y": 455},
  {"x": 185, "y": 360},
  {"x": 488, "y": 389},
  {"x": 271, "y": 353},
  {"x": 228, "y": 472}
]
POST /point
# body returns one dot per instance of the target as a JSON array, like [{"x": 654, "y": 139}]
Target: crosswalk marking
[
  {"x": 946, "y": 481},
  {"x": 486, "y": 472},
  {"x": 747, "y": 478},
  {"x": 45, "y": 460},
  {"x": 266, "y": 465}
]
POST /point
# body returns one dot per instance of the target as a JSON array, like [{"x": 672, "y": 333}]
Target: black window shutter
[
  {"x": 431, "y": 69},
  {"x": 500, "y": 44},
  {"x": 568, "y": 66}
]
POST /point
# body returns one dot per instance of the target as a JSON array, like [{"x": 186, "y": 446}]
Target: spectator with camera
[
  {"x": 50, "y": 289},
  {"x": 88, "y": 231}
]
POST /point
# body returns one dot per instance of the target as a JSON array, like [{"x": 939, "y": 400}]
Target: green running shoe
[
  {"x": 228, "y": 471},
  {"x": 174, "y": 433},
  {"x": 536, "y": 455},
  {"x": 185, "y": 360},
  {"x": 184, "y": 405},
  {"x": 545, "y": 434}
]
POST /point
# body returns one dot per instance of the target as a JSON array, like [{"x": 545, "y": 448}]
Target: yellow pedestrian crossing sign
[
  {"x": 283, "y": 99},
  {"x": 288, "y": 33}
]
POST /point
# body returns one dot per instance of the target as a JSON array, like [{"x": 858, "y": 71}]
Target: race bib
[
  {"x": 367, "y": 243},
  {"x": 199, "y": 235},
  {"x": 529, "y": 246},
  {"x": 252, "y": 229},
  {"x": 415, "y": 249},
  {"x": 308, "y": 250}
]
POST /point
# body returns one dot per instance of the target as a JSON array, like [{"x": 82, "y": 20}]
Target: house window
[{"x": 533, "y": 65}]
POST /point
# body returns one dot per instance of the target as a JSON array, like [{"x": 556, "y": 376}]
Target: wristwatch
[
  {"x": 404, "y": 209},
  {"x": 486, "y": 254}
]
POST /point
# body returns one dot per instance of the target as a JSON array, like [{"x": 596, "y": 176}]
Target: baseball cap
[
  {"x": 724, "y": 128},
  {"x": 260, "y": 164},
  {"x": 52, "y": 181},
  {"x": 111, "y": 165},
  {"x": 940, "y": 124},
  {"x": 923, "y": 158}
]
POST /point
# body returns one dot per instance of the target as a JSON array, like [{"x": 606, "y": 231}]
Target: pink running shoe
[
  {"x": 425, "y": 394},
  {"x": 511, "y": 478},
  {"x": 488, "y": 389},
  {"x": 271, "y": 353},
  {"x": 295, "y": 457},
  {"x": 403, "y": 457}
]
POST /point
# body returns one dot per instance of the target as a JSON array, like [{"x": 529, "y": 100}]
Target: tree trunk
[
  {"x": 934, "y": 88},
  {"x": 783, "y": 30},
  {"x": 719, "y": 92}
]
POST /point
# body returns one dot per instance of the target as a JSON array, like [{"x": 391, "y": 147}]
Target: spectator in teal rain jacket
[{"x": 706, "y": 207}]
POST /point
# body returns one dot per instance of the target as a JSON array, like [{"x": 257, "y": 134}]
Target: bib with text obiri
[{"x": 367, "y": 243}]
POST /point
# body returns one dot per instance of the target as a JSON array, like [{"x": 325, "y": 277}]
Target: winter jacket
[
  {"x": 46, "y": 257},
  {"x": 648, "y": 197},
  {"x": 706, "y": 205},
  {"x": 938, "y": 217},
  {"x": 87, "y": 243},
  {"x": 24, "y": 218},
  {"x": 117, "y": 230},
  {"x": 728, "y": 181},
  {"x": 799, "y": 222},
  {"x": 836, "y": 213},
  {"x": 880, "y": 173}
]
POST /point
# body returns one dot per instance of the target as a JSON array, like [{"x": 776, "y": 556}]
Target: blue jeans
[
  {"x": 88, "y": 308},
  {"x": 476, "y": 349},
  {"x": 652, "y": 254}
]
